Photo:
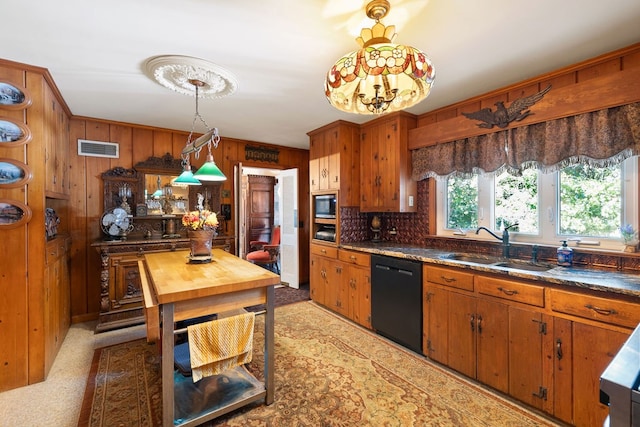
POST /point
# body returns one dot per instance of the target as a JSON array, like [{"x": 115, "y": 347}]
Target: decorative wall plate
[
  {"x": 13, "y": 96},
  {"x": 13, "y": 213},
  {"x": 12, "y": 133},
  {"x": 14, "y": 173}
]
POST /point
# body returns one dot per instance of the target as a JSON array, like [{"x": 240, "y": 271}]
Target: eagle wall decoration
[{"x": 518, "y": 110}]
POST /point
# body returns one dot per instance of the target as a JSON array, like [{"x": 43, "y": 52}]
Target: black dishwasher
[{"x": 396, "y": 300}]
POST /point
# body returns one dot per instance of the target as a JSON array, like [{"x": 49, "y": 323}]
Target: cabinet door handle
[
  {"x": 479, "y": 324},
  {"x": 603, "y": 311},
  {"x": 559, "y": 349},
  {"x": 448, "y": 279},
  {"x": 473, "y": 323},
  {"x": 508, "y": 291}
]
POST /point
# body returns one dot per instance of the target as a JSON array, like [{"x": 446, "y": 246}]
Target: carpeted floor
[{"x": 329, "y": 372}]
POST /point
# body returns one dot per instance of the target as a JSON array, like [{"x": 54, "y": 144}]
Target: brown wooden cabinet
[
  {"x": 585, "y": 343},
  {"x": 543, "y": 345},
  {"x": 341, "y": 281},
  {"x": 323, "y": 272},
  {"x": 385, "y": 165},
  {"x": 34, "y": 313},
  {"x": 356, "y": 278},
  {"x": 334, "y": 161},
  {"x": 57, "y": 316},
  {"x": 56, "y": 146},
  {"x": 121, "y": 302}
]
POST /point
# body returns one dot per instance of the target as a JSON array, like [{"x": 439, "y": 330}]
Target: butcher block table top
[{"x": 174, "y": 279}]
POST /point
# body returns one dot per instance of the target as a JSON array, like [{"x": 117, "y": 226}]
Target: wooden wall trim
[
  {"x": 602, "y": 82},
  {"x": 592, "y": 95}
]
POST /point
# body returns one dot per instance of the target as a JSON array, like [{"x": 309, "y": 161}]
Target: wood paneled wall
[
  {"x": 138, "y": 143},
  {"x": 606, "y": 81}
]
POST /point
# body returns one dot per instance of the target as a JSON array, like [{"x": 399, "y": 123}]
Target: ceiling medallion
[{"x": 176, "y": 72}]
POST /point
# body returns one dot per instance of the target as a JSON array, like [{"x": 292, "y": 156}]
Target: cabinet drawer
[
  {"x": 327, "y": 251},
  {"x": 512, "y": 291},
  {"x": 357, "y": 258},
  {"x": 605, "y": 310},
  {"x": 448, "y": 277}
]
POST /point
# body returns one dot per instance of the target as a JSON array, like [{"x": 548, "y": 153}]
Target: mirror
[
  {"x": 163, "y": 198},
  {"x": 159, "y": 196}
]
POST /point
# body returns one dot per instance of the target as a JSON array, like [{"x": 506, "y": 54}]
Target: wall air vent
[{"x": 98, "y": 149}]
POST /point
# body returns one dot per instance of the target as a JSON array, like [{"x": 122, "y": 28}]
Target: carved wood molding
[
  {"x": 261, "y": 154},
  {"x": 165, "y": 165}
]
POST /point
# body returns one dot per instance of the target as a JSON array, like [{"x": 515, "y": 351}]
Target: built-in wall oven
[{"x": 396, "y": 300}]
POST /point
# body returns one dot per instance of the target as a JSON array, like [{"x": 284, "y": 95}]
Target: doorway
[{"x": 255, "y": 203}]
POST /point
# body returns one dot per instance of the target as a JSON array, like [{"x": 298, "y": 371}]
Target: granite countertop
[{"x": 612, "y": 282}]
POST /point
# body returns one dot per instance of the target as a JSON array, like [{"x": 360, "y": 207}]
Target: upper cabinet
[
  {"x": 385, "y": 165},
  {"x": 56, "y": 149},
  {"x": 334, "y": 160}
]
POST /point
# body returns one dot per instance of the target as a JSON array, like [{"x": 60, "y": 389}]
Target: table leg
[
  {"x": 269, "y": 366},
  {"x": 167, "y": 366}
]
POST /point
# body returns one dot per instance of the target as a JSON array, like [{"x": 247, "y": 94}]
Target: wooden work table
[{"x": 176, "y": 290}]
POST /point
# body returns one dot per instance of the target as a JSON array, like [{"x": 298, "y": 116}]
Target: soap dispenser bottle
[{"x": 565, "y": 255}]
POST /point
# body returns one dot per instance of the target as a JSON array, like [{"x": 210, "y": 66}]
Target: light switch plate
[{"x": 410, "y": 201}]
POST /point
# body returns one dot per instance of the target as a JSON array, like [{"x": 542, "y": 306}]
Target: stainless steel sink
[
  {"x": 478, "y": 259},
  {"x": 523, "y": 265}
]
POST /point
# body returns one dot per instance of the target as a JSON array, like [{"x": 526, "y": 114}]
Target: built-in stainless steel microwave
[{"x": 325, "y": 206}]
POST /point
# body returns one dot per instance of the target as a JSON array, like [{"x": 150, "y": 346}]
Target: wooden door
[
  {"x": 462, "y": 334},
  {"x": 360, "y": 295},
  {"x": 333, "y": 284},
  {"x": 593, "y": 350},
  {"x": 387, "y": 167},
  {"x": 332, "y": 153},
  {"x": 259, "y": 208},
  {"x": 562, "y": 392},
  {"x": 526, "y": 331},
  {"x": 315, "y": 153},
  {"x": 492, "y": 328},
  {"x": 125, "y": 288},
  {"x": 436, "y": 324},
  {"x": 316, "y": 279},
  {"x": 368, "y": 168}
]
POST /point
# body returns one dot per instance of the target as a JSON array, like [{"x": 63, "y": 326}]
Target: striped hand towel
[{"x": 218, "y": 345}]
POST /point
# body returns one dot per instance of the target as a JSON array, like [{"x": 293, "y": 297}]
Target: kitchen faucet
[{"x": 504, "y": 239}]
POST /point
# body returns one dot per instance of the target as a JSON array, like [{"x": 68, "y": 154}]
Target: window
[{"x": 579, "y": 202}]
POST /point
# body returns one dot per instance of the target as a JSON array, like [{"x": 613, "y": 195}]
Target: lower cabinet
[
  {"x": 323, "y": 275},
  {"x": 544, "y": 346},
  {"x": 340, "y": 280},
  {"x": 57, "y": 307},
  {"x": 356, "y": 274},
  {"x": 585, "y": 343}
]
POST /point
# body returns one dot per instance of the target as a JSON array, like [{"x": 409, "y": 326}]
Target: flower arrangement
[
  {"x": 629, "y": 235},
  {"x": 200, "y": 220}
]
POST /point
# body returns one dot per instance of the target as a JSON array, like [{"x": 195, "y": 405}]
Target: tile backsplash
[{"x": 412, "y": 229}]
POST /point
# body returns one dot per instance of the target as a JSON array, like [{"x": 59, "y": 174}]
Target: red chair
[{"x": 266, "y": 254}]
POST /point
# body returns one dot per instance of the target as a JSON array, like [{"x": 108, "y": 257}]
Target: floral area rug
[{"x": 329, "y": 372}]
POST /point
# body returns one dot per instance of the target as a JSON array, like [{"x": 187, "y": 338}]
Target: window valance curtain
[{"x": 600, "y": 138}]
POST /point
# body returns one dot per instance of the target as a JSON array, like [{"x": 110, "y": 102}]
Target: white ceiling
[{"x": 280, "y": 50}]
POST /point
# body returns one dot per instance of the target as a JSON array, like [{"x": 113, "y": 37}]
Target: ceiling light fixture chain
[
  {"x": 382, "y": 76},
  {"x": 187, "y": 75},
  {"x": 210, "y": 137}
]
